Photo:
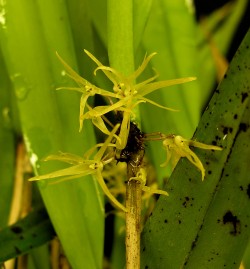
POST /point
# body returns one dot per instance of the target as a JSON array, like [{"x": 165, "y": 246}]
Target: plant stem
[{"x": 133, "y": 221}]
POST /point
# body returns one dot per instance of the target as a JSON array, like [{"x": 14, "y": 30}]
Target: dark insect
[{"x": 134, "y": 151}]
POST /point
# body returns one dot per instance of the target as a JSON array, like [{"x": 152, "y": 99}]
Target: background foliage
[{"x": 47, "y": 121}]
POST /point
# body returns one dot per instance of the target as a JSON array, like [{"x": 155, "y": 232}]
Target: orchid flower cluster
[{"x": 126, "y": 95}]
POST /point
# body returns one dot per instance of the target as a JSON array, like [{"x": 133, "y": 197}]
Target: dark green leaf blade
[
  {"x": 173, "y": 229},
  {"x": 26, "y": 234},
  {"x": 226, "y": 224}
]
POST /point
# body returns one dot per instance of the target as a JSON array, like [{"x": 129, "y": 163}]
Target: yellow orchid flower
[
  {"x": 177, "y": 147},
  {"x": 129, "y": 94},
  {"x": 125, "y": 97},
  {"x": 83, "y": 167}
]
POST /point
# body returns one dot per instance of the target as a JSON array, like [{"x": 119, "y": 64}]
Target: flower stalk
[{"x": 133, "y": 222}]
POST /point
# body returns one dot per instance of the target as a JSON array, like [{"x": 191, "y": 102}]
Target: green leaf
[
  {"x": 246, "y": 258},
  {"x": 49, "y": 121},
  {"x": 7, "y": 146},
  {"x": 120, "y": 35},
  {"x": 206, "y": 224},
  {"x": 141, "y": 12},
  {"x": 28, "y": 233}
]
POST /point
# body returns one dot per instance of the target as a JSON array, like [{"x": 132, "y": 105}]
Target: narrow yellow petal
[
  {"x": 105, "y": 189},
  {"x": 203, "y": 146},
  {"x": 169, "y": 155},
  {"x": 78, "y": 89},
  {"x": 77, "y": 170},
  {"x": 102, "y": 150},
  {"x": 99, "y": 123},
  {"x": 154, "y": 191},
  {"x": 145, "y": 82},
  {"x": 192, "y": 157},
  {"x": 83, "y": 102},
  {"x": 108, "y": 74},
  {"x": 142, "y": 67},
  {"x": 158, "y": 105},
  {"x": 65, "y": 157},
  {"x": 117, "y": 75},
  {"x": 162, "y": 84},
  {"x": 73, "y": 74},
  {"x": 124, "y": 131}
]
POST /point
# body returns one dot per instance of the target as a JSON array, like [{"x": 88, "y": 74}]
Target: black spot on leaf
[
  {"x": 229, "y": 218},
  {"x": 214, "y": 143},
  {"x": 217, "y": 137},
  {"x": 248, "y": 191},
  {"x": 227, "y": 130},
  {"x": 186, "y": 202},
  {"x": 244, "y": 95},
  {"x": 243, "y": 127},
  {"x": 16, "y": 229},
  {"x": 18, "y": 251}
]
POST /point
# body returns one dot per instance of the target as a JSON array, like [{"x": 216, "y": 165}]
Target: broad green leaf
[
  {"x": 7, "y": 146},
  {"x": 206, "y": 224},
  {"x": 226, "y": 222},
  {"x": 98, "y": 15},
  {"x": 82, "y": 32},
  {"x": 50, "y": 121}
]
